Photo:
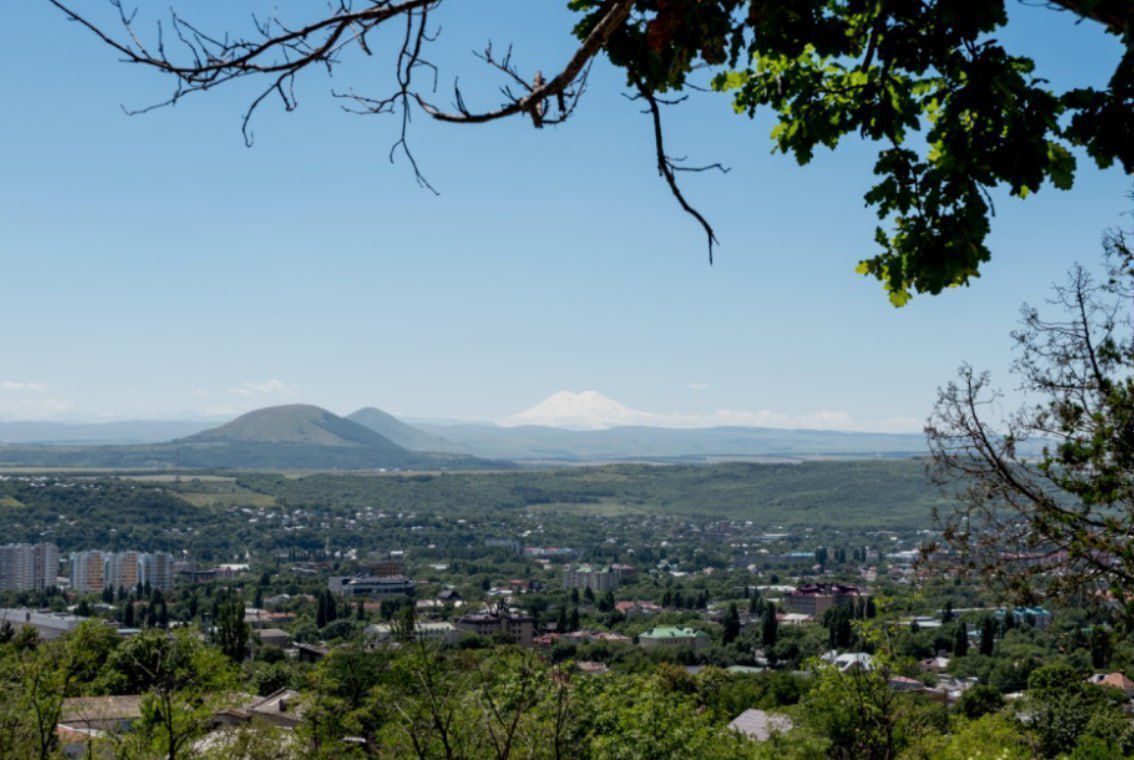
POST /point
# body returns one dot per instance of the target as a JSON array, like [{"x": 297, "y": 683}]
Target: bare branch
[{"x": 667, "y": 169}]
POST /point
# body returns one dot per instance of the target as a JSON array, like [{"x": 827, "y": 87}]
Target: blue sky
[{"x": 154, "y": 266}]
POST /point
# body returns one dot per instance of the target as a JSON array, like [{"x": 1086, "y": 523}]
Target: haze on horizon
[{"x": 158, "y": 269}]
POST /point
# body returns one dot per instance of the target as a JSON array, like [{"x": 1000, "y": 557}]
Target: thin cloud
[
  {"x": 698, "y": 386},
  {"x": 26, "y": 387},
  {"x": 266, "y": 388}
]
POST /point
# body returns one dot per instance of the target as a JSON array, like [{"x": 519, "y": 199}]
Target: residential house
[
  {"x": 816, "y": 598},
  {"x": 759, "y": 725},
  {"x": 512, "y": 625},
  {"x": 423, "y": 630},
  {"x": 273, "y": 637},
  {"x": 669, "y": 637},
  {"x": 597, "y": 579},
  {"x": 849, "y": 661},
  {"x": 1114, "y": 680},
  {"x": 372, "y": 586}
]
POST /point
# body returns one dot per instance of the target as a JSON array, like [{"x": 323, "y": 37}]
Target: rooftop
[
  {"x": 760, "y": 725},
  {"x": 92, "y": 709},
  {"x": 671, "y": 632}
]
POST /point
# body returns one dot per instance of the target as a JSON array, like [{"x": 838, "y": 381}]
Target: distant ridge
[
  {"x": 635, "y": 443},
  {"x": 296, "y": 436},
  {"x": 295, "y": 424},
  {"x": 99, "y": 433},
  {"x": 406, "y": 436}
]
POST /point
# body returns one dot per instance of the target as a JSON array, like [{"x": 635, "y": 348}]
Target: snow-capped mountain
[{"x": 589, "y": 410}]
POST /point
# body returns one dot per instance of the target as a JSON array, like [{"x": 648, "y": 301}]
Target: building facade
[
  {"x": 28, "y": 567},
  {"x": 816, "y": 598},
  {"x": 512, "y": 625},
  {"x": 371, "y": 586},
  {"x": 95, "y": 570},
  {"x": 668, "y": 637},
  {"x": 597, "y": 579}
]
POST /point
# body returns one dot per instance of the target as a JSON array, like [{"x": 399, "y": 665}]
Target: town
[{"x": 597, "y": 593}]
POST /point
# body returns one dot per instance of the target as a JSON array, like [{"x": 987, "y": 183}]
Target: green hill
[
  {"x": 281, "y": 437},
  {"x": 406, "y": 436},
  {"x": 295, "y": 424}
]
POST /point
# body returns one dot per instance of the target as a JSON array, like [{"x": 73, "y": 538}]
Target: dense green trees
[
  {"x": 420, "y": 700},
  {"x": 231, "y": 631}
]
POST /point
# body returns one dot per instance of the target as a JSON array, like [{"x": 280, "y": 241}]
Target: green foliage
[
  {"x": 231, "y": 631},
  {"x": 994, "y": 736},
  {"x": 1061, "y": 710},
  {"x": 979, "y": 700},
  {"x": 955, "y": 113},
  {"x": 182, "y": 682},
  {"x": 858, "y": 715}
]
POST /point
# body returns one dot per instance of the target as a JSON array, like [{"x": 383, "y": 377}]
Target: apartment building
[
  {"x": 597, "y": 579},
  {"x": 28, "y": 567},
  {"x": 371, "y": 586},
  {"x": 95, "y": 570},
  {"x": 511, "y": 625},
  {"x": 816, "y": 598}
]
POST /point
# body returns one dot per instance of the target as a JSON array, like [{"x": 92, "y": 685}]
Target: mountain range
[
  {"x": 296, "y": 436},
  {"x": 300, "y": 436}
]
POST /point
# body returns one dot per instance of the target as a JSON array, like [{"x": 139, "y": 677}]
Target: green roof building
[{"x": 669, "y": 637}]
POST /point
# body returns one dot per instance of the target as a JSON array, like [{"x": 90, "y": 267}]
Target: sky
[{"x": 154, "y": 267}]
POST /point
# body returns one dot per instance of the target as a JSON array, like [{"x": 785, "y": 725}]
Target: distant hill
[
  {"x": 119, "y": 431},
  {"x": 295, "y": 424},
  {"x": 533, "y": 442},
  {"x": 406, "y": 436},
  {"x": 281, "y": 437}
]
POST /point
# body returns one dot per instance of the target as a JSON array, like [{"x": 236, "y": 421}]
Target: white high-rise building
[
  {"x": 157, "y": 570},
  {"x": 89, "y": 570},
  {"x": 124, "y": 570},
  {"x": 28, "y": 567},
  {"x": 95, "y": 570}
]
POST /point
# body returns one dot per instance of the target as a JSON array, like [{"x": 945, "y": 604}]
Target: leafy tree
[
  {"x": 953, "y": 111},
  {"x": 755, "y": 603},
  {"x": 320, "y": 611},
  {"x": 859, "y": 715},
  {"x": 979, "y": 700},
  {"x": 961, "y": 639},
  {"x": 87, "y": 650},
  {"x": 994, "y": 735},
  {"x": 837, "y": 621},
  {"x": 768, "y": 625},
  {"x": 987, "y": 635},
  {"x": 232, "y": 632},
  {"x": 561, "y": 620},
  {"x": 32, "y": 678},
  {"x": 730, "y": 624},
  {"x": 1054, "y": 483},
  {"x": 1062, "y": 708},
  {"x": 1101, "y": 648},
  {"x": 183, "y": 683}
]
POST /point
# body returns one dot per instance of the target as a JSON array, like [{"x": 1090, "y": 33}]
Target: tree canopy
[
  {"x": 1047, "y": 494},
  {"x": 954, "y": 113}
]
